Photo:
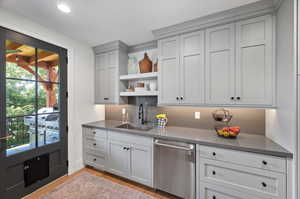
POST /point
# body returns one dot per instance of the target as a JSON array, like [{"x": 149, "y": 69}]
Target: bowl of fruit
[{"x": 228, "y": 131}]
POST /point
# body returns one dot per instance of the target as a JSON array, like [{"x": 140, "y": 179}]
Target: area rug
[{"x": 89, "y": 186}]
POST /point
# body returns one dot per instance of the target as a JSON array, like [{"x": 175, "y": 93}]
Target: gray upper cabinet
[
  {"x": 181, "y": 69},
  {"x": 220, "y": 67},
  {"x": 169, "y": 71},
  {"x": 110, "y": 63},
  {"x": 192, "y": 68},
  {"x": 255, "y": 67},
  {"x": 227, "y": 65}
]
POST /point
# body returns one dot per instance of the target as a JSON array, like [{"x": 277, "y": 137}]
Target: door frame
[{"x": 62, "y": 145}]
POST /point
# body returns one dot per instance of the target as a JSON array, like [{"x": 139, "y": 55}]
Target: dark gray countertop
[{"x": 244, "y": 142}]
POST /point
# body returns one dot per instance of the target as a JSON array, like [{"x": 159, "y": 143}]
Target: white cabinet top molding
[
  {"x": 110, "y": 46},
  {"x": 255, "y": 9}
]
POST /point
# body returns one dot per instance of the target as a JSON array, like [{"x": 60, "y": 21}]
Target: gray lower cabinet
[
  {"x": 118, "y": 158},
  {"x": 224, "y": 173},
  {"x": 126, "y": 155}
]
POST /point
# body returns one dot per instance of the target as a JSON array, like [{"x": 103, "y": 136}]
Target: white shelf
[
  {"x": 139, "y": 93},
  {"x": 152, "y": 75}
]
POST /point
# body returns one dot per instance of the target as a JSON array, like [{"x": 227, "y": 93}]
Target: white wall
[
  {"x": 80, "y": 80},
  {"x": 281, "y": 123}
]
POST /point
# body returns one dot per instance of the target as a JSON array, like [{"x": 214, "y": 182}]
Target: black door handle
[{"x": 264, "y": 162}]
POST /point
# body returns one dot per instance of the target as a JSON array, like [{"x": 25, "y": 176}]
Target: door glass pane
[
  {"x": 20, "y": 61},
  {"x": 21, "y": 134},
  {"x": 20, "y": 97},
  {"x": 48, "y": 66},
  {"x": 48, "y": 128},
  {"x": 48, "y": 97}
]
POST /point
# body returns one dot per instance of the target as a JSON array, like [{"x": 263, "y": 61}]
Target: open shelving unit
[
  {"x": 139, "y": 93},
  {"x": 139, "y": 76}
]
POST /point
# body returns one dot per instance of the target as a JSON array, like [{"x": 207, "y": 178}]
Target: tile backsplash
[{"x": 251, "y": 121}]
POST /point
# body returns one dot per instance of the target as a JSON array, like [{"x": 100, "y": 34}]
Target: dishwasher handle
[{"x": 189, "y": 148}]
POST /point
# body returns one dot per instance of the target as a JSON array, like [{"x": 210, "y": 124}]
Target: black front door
[{"x": 33, "y": 113}]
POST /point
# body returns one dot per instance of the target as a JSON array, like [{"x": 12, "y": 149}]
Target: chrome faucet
[{"x": 141, "y": 114}]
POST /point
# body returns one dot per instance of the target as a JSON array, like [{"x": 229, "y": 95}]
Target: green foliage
[{"x": 20, "y": 100}]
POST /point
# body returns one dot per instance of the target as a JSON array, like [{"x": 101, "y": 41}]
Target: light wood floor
[{"x": 113, "y": 178}]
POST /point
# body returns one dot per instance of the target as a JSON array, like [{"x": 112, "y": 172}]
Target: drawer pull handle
[
  {"x": 214, "y": 154},
  {"x": 106, "y": 98},
  {"x": 214, "y": 173},
  {"x": 214, "y": 197},
  {"x": 264, "y": 184},
  {"x": 95, "y": 159},
  {"x": 264, "y": 162}
]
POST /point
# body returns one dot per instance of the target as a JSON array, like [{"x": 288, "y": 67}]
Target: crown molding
[
  {"x": 143, "y": 46},
  {"x": 255, "y": 9},
  {"x": 110, "y": 46}
]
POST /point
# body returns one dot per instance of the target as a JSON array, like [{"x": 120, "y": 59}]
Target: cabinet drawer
[
  {"x": 130, "y": 138},
  {"x": 210, "y": 191},
  {"x": 247, "y": 179},
  {"x": 95, "y": 144},
  {"x": 244, "y": 158},
  {"x": 95, "y": 160},
  {"x": 96, "y": 133}
]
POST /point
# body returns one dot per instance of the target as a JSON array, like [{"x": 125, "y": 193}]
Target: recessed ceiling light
[{"x": 63, "y": 7}]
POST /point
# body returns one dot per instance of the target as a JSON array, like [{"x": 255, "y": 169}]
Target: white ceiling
[{"x": 98, "y": 21}]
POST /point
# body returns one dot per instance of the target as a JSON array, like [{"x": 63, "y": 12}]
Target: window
[{"x": 32, "y": 97}]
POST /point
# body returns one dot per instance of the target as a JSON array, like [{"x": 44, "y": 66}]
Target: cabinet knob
[
  {"x": 214, "y": 173},
  {"x": 181, "y": 98},
  {"x": 94, "y": 144},
  {"x": 232, "y": 98},
  {"x": 214, "y": 197},
  {"x": 124, "y": 148},
  {"x": 95, "y": 159},
  {"x": 264, "y": 162},
  {"x": 214, "y": 154},
  {"x": 177, "y": 98},
  {"x": 94, "y": 132},
  {"x": 264, "y": 184},
  {"x": 238, "y": 98}
]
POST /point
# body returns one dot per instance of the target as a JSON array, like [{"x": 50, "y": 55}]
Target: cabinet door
[
  {"x": 141, "y": 164},
  {"x": 118, "y": 158},
  {"x": 112, "y": 59},
  {"x": 111, "y": 85},
  {"x": 101, "y": 60},
  {"x": 192, "y": 68},
  {"x": 100, "y": 86},
  {"x": 105, "y": 85},
  {"x": 220, "y": 67},
  {"x": 255, "y": 70},
  {"x": 169, "y": 71}
]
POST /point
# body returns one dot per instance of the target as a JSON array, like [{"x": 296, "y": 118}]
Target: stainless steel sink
[{"x": 134, "y": 127}]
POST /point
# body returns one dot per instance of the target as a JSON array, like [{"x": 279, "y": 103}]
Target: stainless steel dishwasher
[{"x": 174, "y": 168}]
